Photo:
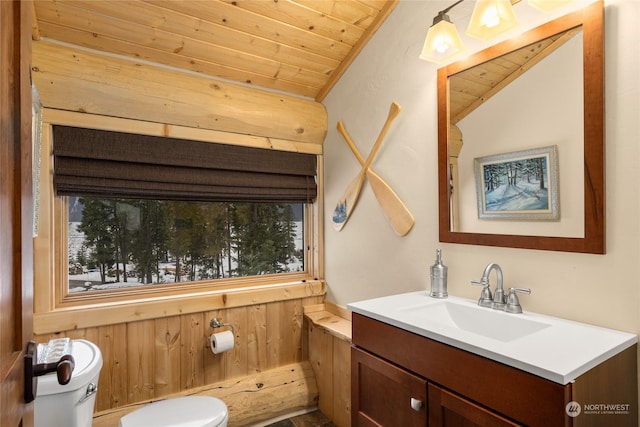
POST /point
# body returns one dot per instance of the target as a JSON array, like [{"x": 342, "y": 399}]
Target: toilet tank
[{"x": 70, "y": 405}]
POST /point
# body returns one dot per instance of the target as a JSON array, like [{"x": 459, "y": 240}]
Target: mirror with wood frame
[{"x": 574, "y": 45}]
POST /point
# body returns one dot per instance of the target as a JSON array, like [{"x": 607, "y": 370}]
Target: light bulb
[
  {"x": 490, "y": 18},
  {"x": 440, "y": 44}
]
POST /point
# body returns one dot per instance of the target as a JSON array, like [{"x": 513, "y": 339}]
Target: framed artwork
[{"x": 520, "y": 185}]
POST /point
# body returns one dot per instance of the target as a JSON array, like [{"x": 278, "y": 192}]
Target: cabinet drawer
[{"x": 516, "y": 394}]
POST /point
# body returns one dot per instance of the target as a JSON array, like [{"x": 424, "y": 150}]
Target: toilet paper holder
[{"x": 215, "y": 324}]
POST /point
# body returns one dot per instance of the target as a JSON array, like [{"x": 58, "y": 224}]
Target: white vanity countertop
[{"x": 560, "y": 351}]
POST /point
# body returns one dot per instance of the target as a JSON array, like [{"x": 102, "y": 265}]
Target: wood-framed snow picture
[{"x": 520, "y": 185}]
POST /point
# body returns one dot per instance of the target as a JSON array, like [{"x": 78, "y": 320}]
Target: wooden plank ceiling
[
  {"x": 472, "y": 87},
  {"x": 300, "y": 47}
]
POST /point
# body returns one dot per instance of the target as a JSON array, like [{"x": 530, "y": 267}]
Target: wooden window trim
[{"x": 55, "y": 311}]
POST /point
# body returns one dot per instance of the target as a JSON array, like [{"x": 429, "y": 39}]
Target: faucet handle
[
  {"x": 513, "y": 303},
  {"x": 485, "y": 295}
]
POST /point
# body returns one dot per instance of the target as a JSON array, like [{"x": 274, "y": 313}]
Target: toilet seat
[{"x": 188, "y": 411}]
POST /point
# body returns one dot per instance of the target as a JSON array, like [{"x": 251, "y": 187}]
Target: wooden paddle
[
  {"x": 394, "y": 210},
  {"x": 347, "y": 202}
]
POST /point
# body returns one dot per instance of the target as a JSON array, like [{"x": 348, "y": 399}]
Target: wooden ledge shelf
[{"x": 332, "y": 318}]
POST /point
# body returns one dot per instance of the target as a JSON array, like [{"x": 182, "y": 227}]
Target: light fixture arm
[
  {"x": 450, "y": 7},
  {"x": 442, "y": 15}
]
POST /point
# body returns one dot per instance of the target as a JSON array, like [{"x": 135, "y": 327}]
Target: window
[
  {"x": 118, "y": 244},
  {"x": 126, "y": 177},
  {"x": 144, "y": 214}
]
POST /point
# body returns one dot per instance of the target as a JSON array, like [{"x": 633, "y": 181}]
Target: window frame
[{"x": 55, "y": 309}]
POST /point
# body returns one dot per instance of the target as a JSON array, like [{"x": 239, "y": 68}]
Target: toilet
[
  {"x": 188, "y": 411},
  {"x": 70, "y": 405}
]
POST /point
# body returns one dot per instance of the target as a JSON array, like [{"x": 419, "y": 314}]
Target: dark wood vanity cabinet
[{"x": 403, "y": 379}]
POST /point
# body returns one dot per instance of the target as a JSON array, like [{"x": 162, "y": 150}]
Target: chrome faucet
[{"x": 499, "y": 300}]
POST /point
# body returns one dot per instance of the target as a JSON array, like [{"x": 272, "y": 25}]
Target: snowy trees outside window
[{"x": 122, "y": 243}]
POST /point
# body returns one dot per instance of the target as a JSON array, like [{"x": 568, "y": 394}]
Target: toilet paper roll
[{"x": 221, "y": 342}]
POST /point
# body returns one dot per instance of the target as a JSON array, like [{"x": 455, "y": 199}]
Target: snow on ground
[
  {"x": 519, "y": 197},
  {"x": 89, "y": 280}
]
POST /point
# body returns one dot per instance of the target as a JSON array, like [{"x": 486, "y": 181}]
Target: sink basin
[
  {"x": 478, "y": 320},
  {"x": 557, "y": 349}
]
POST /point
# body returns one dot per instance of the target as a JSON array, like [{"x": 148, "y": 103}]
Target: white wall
[{"x": 366, "y": 259}]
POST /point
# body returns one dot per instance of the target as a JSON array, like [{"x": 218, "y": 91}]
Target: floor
[{"x": 312, "y": 419}]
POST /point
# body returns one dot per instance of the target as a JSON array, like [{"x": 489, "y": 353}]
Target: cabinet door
[
  {"x": 383, "y": 394},
  {"x": 449, "y": 409}
]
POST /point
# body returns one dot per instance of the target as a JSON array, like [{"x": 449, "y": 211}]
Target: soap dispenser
[{"x": 438, "y": 278}]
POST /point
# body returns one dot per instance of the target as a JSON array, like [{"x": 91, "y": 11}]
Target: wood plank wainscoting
[{"x": 157, "y": 358}]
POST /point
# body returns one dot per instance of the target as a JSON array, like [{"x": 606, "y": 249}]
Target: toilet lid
[{"x": 189, "y": 411}]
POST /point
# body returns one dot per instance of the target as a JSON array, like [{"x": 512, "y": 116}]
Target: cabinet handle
[{"x": 416, "y": 404}]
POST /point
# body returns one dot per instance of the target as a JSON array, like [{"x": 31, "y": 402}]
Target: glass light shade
[
  {"x": 442, "y": 42},
  {"x": 491, "y": 18},
  {"x": 547, "y": 5}
]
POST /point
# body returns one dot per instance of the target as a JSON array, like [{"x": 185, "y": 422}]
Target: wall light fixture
[
  {"x": 489, "y": 19},
  {"x": 443, "y": 40}
]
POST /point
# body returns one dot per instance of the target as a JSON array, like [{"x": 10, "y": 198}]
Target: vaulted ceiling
[{"x": 300, "y": 47}]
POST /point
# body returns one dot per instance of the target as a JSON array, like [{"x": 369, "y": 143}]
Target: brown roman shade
[{"x": 90, "y": 162}]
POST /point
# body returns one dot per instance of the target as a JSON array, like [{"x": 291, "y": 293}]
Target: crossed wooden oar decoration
[{"x": 394, "y": 210}]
